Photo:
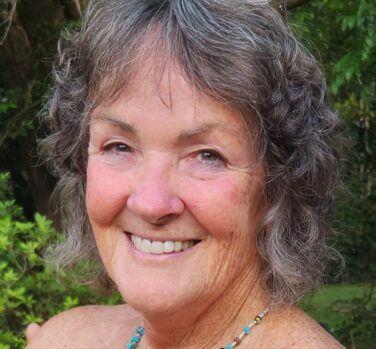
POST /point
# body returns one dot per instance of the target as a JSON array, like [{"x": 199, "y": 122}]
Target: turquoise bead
[
  {"x": 247, "y": 329},
  {"x": 140, "y": 330},
  {"x": 228, "y": 346},
  {"x": 135, "y": 339}
]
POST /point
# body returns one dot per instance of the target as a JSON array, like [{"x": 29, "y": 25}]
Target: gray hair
[{"x": 242, "y": 53}]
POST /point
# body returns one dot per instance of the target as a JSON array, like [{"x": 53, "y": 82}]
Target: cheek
[
  {"x": 226, "y": 205},
  {"x": 106, "y": 193}
]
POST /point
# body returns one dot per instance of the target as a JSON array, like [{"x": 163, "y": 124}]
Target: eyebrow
[
  {"x": 125, "y": 126},
  {"x": 183, "y": 136},
  {"x": 191, "y": 133}
]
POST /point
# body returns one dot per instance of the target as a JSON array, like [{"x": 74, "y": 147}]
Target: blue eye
[
  {"x": 210, "y": 157},
  {"x": 122, "y": 148},
  {"x": 117, "y": 148},
  {"x": 207, "y": 155}
]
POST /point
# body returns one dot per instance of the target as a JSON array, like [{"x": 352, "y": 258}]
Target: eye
[
  {"x": 117, "y": 148},
  {"x": 210, "y": 156}
]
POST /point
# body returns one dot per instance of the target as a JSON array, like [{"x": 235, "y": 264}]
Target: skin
[
  {"x": 164, "y": 185},
  {"x": 168, "y": 163},
  {"x": 31, "y": 331}
]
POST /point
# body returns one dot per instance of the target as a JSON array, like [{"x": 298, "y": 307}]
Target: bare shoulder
[
  {"x": 87, "y": 326},
  {"x": 291, "y": 328}
]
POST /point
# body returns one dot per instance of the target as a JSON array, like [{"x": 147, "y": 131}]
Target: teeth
[
  {"x": 168, "y": 246},
  {"x": 159, "y": 247},
  {"x": 136, "y": 241},
  {"x": 178, "y": 246},
  {"x": 146, "y": 246}
]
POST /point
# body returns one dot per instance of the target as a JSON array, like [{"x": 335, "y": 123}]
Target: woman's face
[{"x": 174, "y": 194}]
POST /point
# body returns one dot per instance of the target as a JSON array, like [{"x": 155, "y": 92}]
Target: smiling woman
[
  {"x": 166, "y": 171},
  {"x": 197, "y": 159}
]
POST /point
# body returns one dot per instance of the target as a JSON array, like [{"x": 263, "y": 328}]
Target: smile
[{"x": 160, "y": 247}]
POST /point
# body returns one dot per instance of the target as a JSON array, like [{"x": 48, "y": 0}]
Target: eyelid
[
  {"x": 113, "y": 143},
  {"x": 209, "y": 150},
  {"x": 220, "y": 158}
]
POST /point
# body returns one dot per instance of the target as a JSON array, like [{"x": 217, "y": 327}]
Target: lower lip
[{"x": 162, "y": 256}]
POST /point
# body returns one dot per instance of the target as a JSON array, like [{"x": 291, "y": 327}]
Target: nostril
[
  {"x": 165, "y": 219},
  {"x": 156, "y": 206}
]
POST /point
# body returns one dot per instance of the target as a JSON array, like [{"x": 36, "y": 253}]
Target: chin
[
  {"x": 156, "y": 302},
  {"x": 156, "y": 293}
]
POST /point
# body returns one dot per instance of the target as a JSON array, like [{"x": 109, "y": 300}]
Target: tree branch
[
  {"x": 74, "y": 9},
  {"x": 15, "y": 120},
  {"x": 9, "y": 20},
  {"x": 283, "y": 5}
]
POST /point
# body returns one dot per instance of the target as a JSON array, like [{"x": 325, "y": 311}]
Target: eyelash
[
  {"x": 211, "y": 152},
  {"x": 121, "y": 147},
  {"x": 114, "y": 147}
]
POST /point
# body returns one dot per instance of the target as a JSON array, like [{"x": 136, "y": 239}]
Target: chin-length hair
[{"x": 239, "y": 52}]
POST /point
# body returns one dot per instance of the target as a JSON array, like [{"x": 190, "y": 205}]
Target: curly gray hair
[{"x": 242, "y": 53}]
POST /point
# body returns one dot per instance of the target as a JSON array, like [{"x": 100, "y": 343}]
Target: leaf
[
  {"x": 5, "y": 243},
  {"x": 24, "y": 227},
  {"x": 348, "y": 23},
  {"x": 10, "y": 277},
  {"x": 4, "y": 346},
  {"x": 28, "y": 247},
  {"x": 70, "y": 302},
  {"x": 5, "y": 225},
  {"x": 42, "y": 223},
  {"x": 30, "y": 318},
  {"x": 3, "y": 266},
  {"x": 17, "y": 293}
]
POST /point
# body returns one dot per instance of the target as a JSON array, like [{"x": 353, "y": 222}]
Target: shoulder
[
  {"x": 291, "y": 328},
  {"x": 87, "y": 326}
]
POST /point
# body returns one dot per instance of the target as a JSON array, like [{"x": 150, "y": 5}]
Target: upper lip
[{"x": 155, "y": 237}]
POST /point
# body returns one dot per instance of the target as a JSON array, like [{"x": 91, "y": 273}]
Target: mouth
[{"x": 160, "y": 247}]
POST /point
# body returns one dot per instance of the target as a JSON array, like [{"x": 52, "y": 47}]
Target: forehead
[{"x": 159, "y": 89}]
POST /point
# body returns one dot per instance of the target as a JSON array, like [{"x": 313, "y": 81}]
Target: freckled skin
[{"x": 217, "y": 202}]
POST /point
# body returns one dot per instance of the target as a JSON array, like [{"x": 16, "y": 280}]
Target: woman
[{"x": 197, "y": 158}]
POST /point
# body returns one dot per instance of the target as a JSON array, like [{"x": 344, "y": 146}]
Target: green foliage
[
  {"x": 30, "y": 292},
  {"x": 359, "y": 321},
  {"x": 345, "y": 33},
  {"x": 358, "y": 25},
  {"x": 12, "y": 121},
  {"x": 8, "y": 100},
  {"x": 347, "y": 311}
]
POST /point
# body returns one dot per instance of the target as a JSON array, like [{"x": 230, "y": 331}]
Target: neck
[{"x": 209, "y": 324}]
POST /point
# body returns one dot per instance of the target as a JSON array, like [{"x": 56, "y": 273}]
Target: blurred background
[{"x": 340, "y": 33}]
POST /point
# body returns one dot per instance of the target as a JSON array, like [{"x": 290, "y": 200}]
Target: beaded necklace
[{"x": 135, "y": 340}]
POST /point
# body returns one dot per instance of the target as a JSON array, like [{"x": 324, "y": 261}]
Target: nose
[{"x": 152, "y": 197}]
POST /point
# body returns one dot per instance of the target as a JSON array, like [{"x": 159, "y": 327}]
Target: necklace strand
[{"x": 135, "y": 340}]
